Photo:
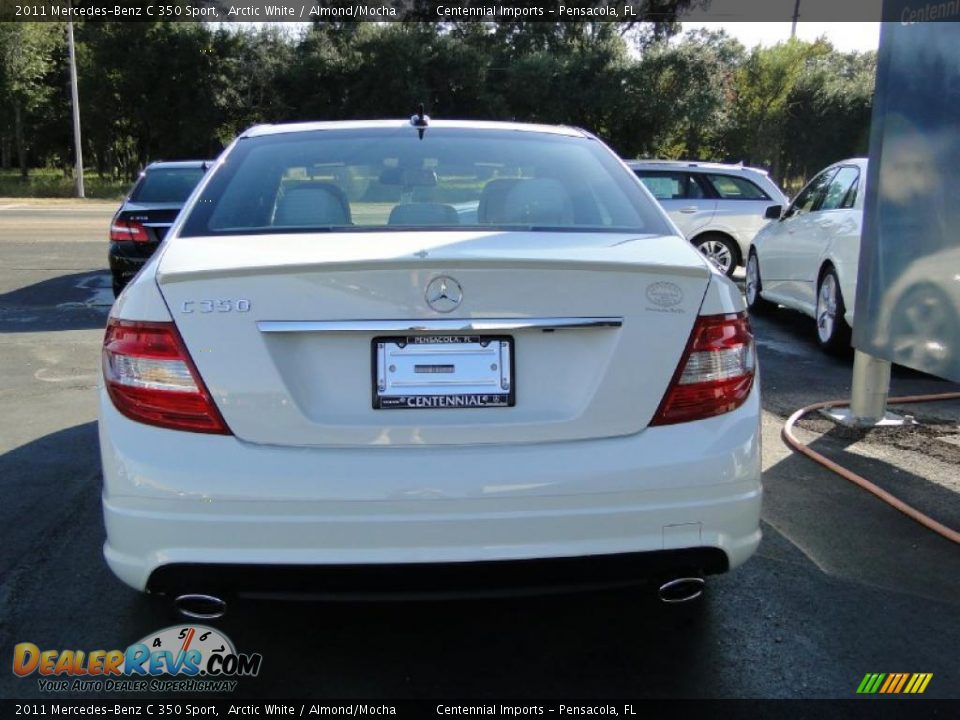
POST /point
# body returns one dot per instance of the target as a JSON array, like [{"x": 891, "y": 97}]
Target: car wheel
[
  {"x": 833, "y": 333},
  {"x": 720, "y": 250},
  {"x": 923, "y": 329},
  {"x": 755, "y": 302}
]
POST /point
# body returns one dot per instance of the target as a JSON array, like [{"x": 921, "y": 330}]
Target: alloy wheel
[
  {"x": 827, "y": 308},
  {"x": 718, "y": 253}
]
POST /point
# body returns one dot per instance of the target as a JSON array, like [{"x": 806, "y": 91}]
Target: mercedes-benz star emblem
[{"x": 444, "y": 294}]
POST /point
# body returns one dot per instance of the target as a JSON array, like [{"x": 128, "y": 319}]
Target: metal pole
[
  {"x": 75, "y": 94},
  {"x": 796, "y": 14},
  {"x": 868, "y": 396},
  {"x": 871, "y": 387}
]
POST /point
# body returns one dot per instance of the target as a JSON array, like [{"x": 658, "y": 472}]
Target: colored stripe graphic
[
  {"x": 870, "y": 681},
  {"x": 903, "y": 681},
  {"x": 894, "y": 683},
  {"x": 918, "y": 683},
  {"x": 891, "y": 680}
]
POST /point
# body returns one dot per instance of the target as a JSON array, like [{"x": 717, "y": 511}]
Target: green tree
[
  {"x": 159, "y": 91},
  {"x": 26, "y": 51},
  {"x": 691, "y": 84},
  {"x": 249, "y": 78},
  {"x": 765, "y": 85},
  {"x": 829, "y": 112}
]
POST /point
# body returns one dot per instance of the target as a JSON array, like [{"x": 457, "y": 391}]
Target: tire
[
  {"x": 721, "y": 250},
  {"x": 833, "y": 333},
  {"x": 754, "y": 288}
]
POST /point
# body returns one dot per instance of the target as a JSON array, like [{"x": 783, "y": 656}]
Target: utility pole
[
  {"x": 796, "y": 14},
  {"x": 75, "y": 94}
]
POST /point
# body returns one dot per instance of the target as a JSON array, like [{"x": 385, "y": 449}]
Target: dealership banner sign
[{"x": 908, "y": 286}]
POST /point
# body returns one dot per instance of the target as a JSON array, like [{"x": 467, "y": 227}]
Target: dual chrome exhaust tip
[
  {"x": 681, "y": 590},
  {"x": 200, "y": 607}
]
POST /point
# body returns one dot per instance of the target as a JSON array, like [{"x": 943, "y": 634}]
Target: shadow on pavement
[
  {"x": 78, "y": 301},
  {"x": 848, "y": 532}
]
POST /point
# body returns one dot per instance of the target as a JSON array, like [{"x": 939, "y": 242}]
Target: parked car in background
[
  {"x": 719, "y": 208},
  {"x": 807, "y": 258},
  {"x": 147, "y": 213},
  {"x": 399, "y": 355}
]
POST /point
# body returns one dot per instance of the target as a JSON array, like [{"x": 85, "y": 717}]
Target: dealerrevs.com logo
[{"x": 184, "y": 658}]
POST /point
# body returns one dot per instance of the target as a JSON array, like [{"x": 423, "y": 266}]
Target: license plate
[{"x": 426, "y": 372}]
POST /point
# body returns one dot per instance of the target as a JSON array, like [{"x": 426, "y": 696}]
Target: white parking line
[{"x": 10, "y": 207}]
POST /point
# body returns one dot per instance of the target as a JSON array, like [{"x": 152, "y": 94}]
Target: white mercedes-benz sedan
[
  {"x": 808, "y": 259},
  {"x": 393, "y": 356}
]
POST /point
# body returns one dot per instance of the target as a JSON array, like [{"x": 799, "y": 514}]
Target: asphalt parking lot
[{"x": 842, "y": 585}]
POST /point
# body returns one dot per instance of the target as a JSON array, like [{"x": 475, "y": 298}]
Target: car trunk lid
[{"x": 284, "y": 329}]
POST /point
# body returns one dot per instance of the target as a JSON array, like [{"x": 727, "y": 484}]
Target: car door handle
[{"x": 689, "y": 210}]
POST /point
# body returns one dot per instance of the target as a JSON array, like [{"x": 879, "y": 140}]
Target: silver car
[{"x": 719, "y": 208}]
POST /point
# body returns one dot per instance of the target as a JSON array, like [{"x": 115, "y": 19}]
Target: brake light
[
  {"x": 151, "y": 378},
  {"x": 715, "y": 374},
  {"x": 127, "y": 230}
]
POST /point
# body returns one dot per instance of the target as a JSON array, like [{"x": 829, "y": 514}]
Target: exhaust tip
[
  {"x": 681, "y": 590},
  {"x": 200, "y": 607}
]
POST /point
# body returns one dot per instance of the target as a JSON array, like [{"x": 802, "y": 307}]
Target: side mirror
[{"x": 773, "y": 212}]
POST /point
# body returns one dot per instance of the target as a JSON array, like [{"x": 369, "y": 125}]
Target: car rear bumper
[
  {"x": 183, "y": 507},
  {"x": 435, "y": 580},
  {"x": 126, "y": 259}
]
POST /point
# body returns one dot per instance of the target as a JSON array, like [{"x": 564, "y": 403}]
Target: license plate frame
[{"x": 439, "y": 352}]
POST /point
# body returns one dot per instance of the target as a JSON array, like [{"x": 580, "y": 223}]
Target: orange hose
[{"x": 908, "y": 510}]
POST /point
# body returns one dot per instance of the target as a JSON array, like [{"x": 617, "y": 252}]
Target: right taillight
[
  {"x": 128, "y": 230},
  {"x": 715, "y": 374},
  {"x": 151, "y": 378}
]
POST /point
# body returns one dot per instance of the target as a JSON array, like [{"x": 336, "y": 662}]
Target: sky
[{"x": 845, "y": 36}]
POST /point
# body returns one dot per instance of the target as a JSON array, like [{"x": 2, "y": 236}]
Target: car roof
[
  {"x": 173, "y": 164},
  {"x": 860, "y": 162},
  {"x": 261, "y": 130},
  {"x": 675, "y": 164}
]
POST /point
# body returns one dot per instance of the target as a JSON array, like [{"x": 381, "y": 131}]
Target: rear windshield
[
  {"x": 391, "y": 179},
  {"x": 166, "y": 185}
]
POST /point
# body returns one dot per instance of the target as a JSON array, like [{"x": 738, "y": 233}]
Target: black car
[{"x": 147, "y": 213}]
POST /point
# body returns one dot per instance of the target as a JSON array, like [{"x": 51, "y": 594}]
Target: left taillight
[
  {"x": 129, "y": 231},
  {"x": 151, "y": 378}
]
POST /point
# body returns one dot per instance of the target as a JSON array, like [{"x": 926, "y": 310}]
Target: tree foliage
[
  {"x": 27, "y": 53},
  {"x": 153, "y": 90}
]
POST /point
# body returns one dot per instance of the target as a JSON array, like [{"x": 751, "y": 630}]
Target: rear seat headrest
[{"x": 312, "y": 204}]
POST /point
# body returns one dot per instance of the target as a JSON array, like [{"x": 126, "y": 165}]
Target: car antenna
[{"x": 420, "y": 121}]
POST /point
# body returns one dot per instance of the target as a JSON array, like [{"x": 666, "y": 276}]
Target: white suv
[{"x": 719, "y": 208}]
